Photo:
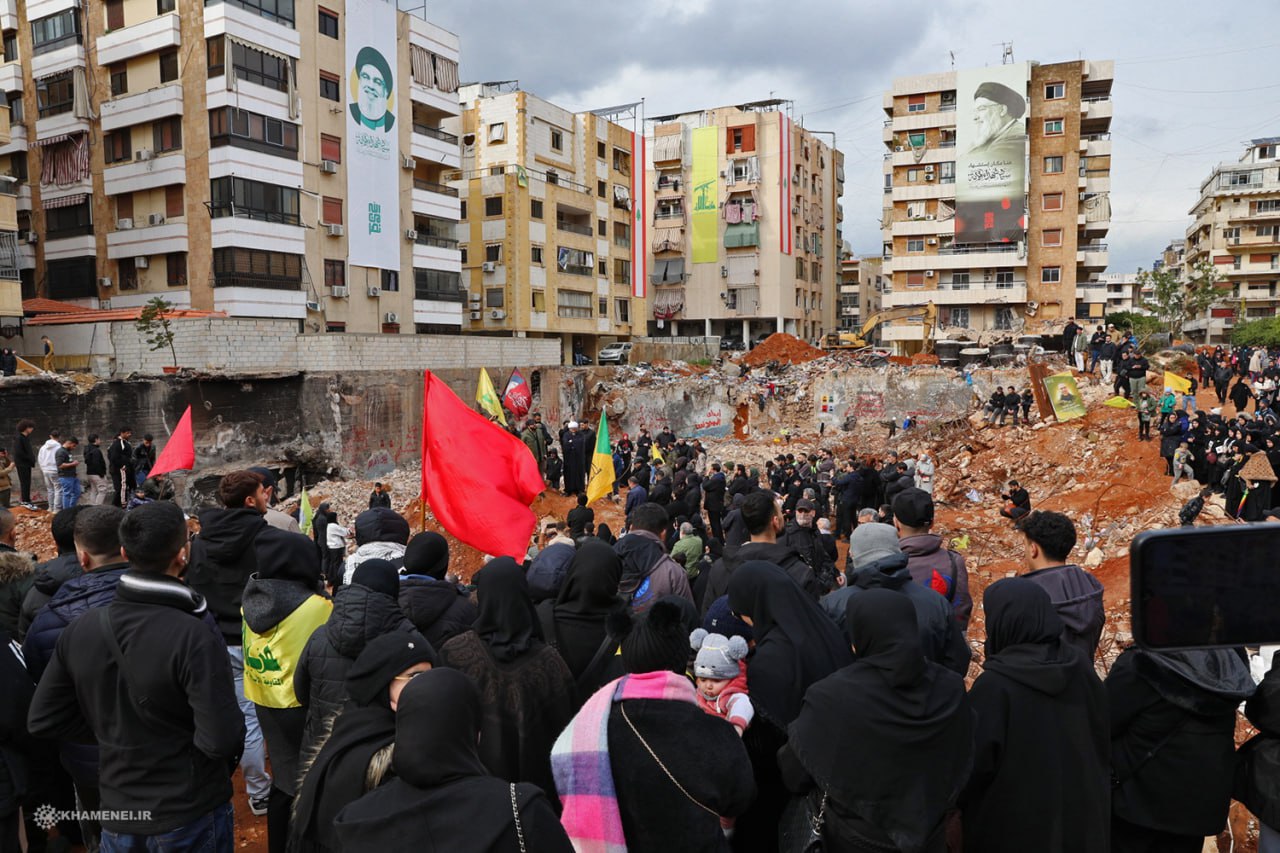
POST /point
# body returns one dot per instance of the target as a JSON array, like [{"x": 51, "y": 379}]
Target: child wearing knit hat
[{"x": 720, "y": 671}]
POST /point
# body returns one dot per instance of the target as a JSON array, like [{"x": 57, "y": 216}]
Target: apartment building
[
  {"x": 549, "y": 234},
  {"x": 746, "y": 224},
  {"x": 1109, "y": 293},
  {"x": 861, "y": 287},
  {"x": 221, "y": 153},
  {"x": 10, "y": 283},
  {"x": 1237, "y": 230},
  {"x": 996, "y": 195}
]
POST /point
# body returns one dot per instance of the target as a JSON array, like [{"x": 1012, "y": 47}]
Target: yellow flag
[
  {"x": 600, "y": 479},
  {"x": 487, "y": 397},
  {"x": 306, "y": 513},
  {"x": 656, "y": 455},
  {"x": 1177, "y": 383}
]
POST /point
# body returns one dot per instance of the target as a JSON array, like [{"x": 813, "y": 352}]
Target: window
[
  {"x": 958, "y": 317},
  {"x": 1268, "y": 206},
  {"x": 1267, "y": 231},
  {"x": 575, "y": 261},
  {"x": 18, "y": 169},
  {"x": 602, "y": 227},
  {"x": 127, "y": 272},
  {"x": 1004, "y": 280},
  {"x": 115, "y": 14},
  {"x": 602, "y": 189},
  {"x": 948, "y": 171},
  {"x": 1051, "y": 201},
  {"x": 915, "y": 245},
  {"x": 462, "y": 253},
  {"x": 573, "y": 304},
  {"x": 243, "y": 129},
  {"x": 493, "y": 252},
  {"x": 915, "y": 279},
  {"x": 497, "y": 133},
  {"x": 1240, "y": 179},
  {"x": 494, "y": 171},
  {"x": 1052, "y": 165},
  {"x": 71, "y": 221},
  {"x": 802, "y": 269},
  {"x": 54, "y": 95},
  {"x": 165, "y": 6},
  {"x": 493, "y": 206},
  {"x": 538, "y": 302},
  {"x": 249, "y": 64},
  {"x": 495, "y": 297},
  {"x": 329, "y": 89},
  {"x": 280, "y": 11},
  {"x": 174, "y": 203},
  {"x": 335, "y": 273},
  {"x": 1055, "y": 91},
  {"x": 551, "y": 176},
  {"x": 253, "y": 200},
  {"x": 237, "y": 267},
  {"x": 535, "y": 208},
  {"x": 390, "y": 281},
  {"x": 438, "y": 284},
  {"x": 119, "y": 79},
  {"x": 1051, "y": 237},
  {"x": 622, "y": 310},
  {"x": 334, "y": 327},
  {"x": 915, "y": 104},
  {"x": 11, "y": 46},
  {"x": 915, "y": 140},
  {"x": 602, "y": 306},
  {"x": 331, "y": 211},
  {"x": 462, "y": 209},
  {"x": 117, "y": 146},
  {"x": 1231, "y": 234},
  {"x": 816, "y": 269},
  {"x": 167, "y": 134},
  {"x": 168, "y": 66},
  {"x": 960, "y": 281},
  {"x": 600, "y": 147},
  {"x": 948, "y": 98},
  {"x": 913, "y": 174},
  {"x": 55, "y": 31},
  {"x": 557, "y": 140},
  {"x": 124, "y": 206},
  {"x": 1053, "y": 127},
  {"x": 535, "y": 255},
  {"x": 330, "y": 148},
  {"x": 176, "y": 269},
  {"x": 328, "y": 23},
  {"x": 1051, "y": 275}
]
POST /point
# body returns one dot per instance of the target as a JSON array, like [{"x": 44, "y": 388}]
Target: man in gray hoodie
[{"x": 1076, "y": 594}]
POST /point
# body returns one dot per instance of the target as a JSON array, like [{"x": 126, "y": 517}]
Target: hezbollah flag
[
  {"x": 600, "y": 482},
  {"x": 1178, "y": 383},
  {"x": 487, "y": 397},
  {"x": 305, "y": 512}
]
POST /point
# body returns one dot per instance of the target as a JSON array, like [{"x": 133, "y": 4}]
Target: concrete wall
[{"x": 678, "y": 349}]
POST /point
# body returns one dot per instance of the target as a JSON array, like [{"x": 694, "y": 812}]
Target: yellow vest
[{"x": 271, "y": 659}]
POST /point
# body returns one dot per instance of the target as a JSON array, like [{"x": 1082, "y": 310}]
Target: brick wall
[{"x": 261, "y": 346}]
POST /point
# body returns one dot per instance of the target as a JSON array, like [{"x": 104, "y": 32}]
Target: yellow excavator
[{"x": 857, "y": 340}]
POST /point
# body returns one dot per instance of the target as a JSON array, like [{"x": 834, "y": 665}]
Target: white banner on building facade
[{"x": 373, "y": 152}]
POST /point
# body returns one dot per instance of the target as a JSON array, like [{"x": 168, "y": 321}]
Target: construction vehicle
[{"x": 858, "y": 340}]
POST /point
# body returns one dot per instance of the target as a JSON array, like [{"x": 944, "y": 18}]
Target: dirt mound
[{"x": 782, "y": 348}]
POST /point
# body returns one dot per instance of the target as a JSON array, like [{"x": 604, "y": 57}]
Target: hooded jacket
[
  {"x": 222, "y": 559},
  {"x": 779, "y": 553},
  {"x": 546, "y": 572},
  {"x": 648, "y": 572},
  {"x": 49, "y": 578},
  {"x": 438, "y": 609},
  {"x": 807, "y": 542},
  {"x": 1077, "y": 595},
  {"x": 925, "y": 555},
  {"x": 1258, "y": 774},
  {"x": 17, "y": 572}
]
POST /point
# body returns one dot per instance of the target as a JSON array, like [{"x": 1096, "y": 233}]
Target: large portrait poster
[
  {"x": 373, "y": 150},
  {"x": 991, "y": 148}
]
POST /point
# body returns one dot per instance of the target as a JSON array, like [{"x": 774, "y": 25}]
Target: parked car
[
  {"x": 616, "y": 353},
  {"x": 729, "y": 343}
]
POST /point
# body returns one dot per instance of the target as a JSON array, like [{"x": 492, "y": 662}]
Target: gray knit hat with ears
[{"x": 718, "y": 656}]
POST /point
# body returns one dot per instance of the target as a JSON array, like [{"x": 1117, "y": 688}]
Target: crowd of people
[{"x": 116, "y": 474}]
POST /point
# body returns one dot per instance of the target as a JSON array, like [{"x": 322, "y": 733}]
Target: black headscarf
[
  {"x": 581, "y": 611},
  {"x": 796, "y": 643},
  {"x": 906, "y": 732},
  {"x": 604, "y": 534},
  {"x": 507, "y": 622},
  {"x": 287, "y": 556},
  {"x": 1023, "y": 636},
  {"x": 384, "y": 658},
  {"x": 437, "y": 726},
  {"x": 427, "y": 554}
]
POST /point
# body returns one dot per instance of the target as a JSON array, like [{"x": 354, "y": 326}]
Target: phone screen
[{"x": 1206, "y": 586}]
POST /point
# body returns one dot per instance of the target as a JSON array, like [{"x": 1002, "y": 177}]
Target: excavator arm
[{"x": 858, "y": 340}]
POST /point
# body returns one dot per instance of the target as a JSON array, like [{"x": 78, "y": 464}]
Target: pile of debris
[{"x": 782, "y": 348}]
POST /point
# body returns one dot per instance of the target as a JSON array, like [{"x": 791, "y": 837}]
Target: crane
[{"x": 857, "y": 340}]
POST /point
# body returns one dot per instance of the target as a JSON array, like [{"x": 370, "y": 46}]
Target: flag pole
[{"x": 422, "y": 490}]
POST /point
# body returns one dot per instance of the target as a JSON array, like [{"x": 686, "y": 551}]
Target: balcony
[
  {"x": 438, "y": 310},
  {"x": 436, "y": 200},
  {"x": 228, "y": 19},
  {"x": 240, "y": 232},
  {"x": 962, "y": 257},
  {"x": 258, "y": 298},
  {"x": 17, "y": 140},
  {"x": 63, "y": 57},
  {"x": 8, "y": 14},
  {"x": 245, "y": 162},
  {"x": 147, "y": 240},
  {"x": 57, "y": 247},
  {"x": 436, "y": 253},
  {"x": 37, "y": 9},
  {"x": 975, "y": 294},
  {"x": 574, "y": 228},
  {"x": 11, "y": 77},
  {"x": 142, "y": 107},
  {"x": 436, "y": 146},
  {"x": 136, "y": 175},
  {"x": 1097, "y": 145},
  {"x": 148, "y": 36},
  {"x": 1092, "y": 256},
  {"x": 1095, "y": 114}
]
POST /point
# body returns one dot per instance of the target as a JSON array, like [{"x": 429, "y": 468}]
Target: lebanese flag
[
  {"x": 478, "y": 479},
  {"x": 517, "y": 398},
  {"x": 180, "y": 453}
]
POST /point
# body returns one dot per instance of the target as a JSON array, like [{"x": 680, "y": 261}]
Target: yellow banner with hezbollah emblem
[{"x": 271, "y": 659}]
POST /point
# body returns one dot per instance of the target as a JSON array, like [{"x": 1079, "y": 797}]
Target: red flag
[
  {"x": 478, "y": 479},
  {"x": 180, "y": 453},
  {"x": 517, "y": 398}
]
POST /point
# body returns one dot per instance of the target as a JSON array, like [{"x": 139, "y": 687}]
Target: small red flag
[
  {"x": 180, "y": 453},
  {"x": 517, "y": 398},
  {"x": 478, "y": 479}
]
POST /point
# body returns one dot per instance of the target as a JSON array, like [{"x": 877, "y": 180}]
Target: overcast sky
[{"x": 1192, "y": 85}]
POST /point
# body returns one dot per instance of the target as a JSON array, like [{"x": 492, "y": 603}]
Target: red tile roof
[
  {"x": 115, "y": 315},
  {"x": 51, "y": 306}
]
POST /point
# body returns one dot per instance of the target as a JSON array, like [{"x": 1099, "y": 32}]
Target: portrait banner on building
[
  {"x": 991, "y": 154},
  {"x": 1064, "y": 396},
  {"x": 704, "y": 222},
  {"x": 373, "y": 150},
  {"x": 640, "y": 216}
]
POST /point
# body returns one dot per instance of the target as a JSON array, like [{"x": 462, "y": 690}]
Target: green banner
[
  {"x": 1064, "y": 396},
  {"x": 704, "y": 221}
]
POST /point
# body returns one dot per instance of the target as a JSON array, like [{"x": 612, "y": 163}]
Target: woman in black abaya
[{"x": 576, "y": 620}]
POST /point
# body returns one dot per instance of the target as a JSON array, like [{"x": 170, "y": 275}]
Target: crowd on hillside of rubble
[{"x": 711, "y": 676}]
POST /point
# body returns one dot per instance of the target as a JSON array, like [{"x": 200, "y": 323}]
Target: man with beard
[
  {"x": 575, "y": 459},
  {"x": 997, "y": 114},
  {"x": 370, "y": 110}
]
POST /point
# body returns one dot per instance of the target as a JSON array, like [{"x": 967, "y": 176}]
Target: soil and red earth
[{"x": 1092, "y": 469}]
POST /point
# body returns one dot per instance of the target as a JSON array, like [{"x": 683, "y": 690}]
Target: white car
[{"x": 617, "y": 353}]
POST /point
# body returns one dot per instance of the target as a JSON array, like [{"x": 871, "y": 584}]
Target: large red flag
[
  {"x": 180, "y": 453},
  {"x": 478, "y": 479}
]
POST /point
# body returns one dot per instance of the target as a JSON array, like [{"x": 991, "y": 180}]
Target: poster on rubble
[
  {"x": 991, "y": 148},
  {"x": 1064, "y": 396},
  {"x": 704, "y": 222},
  {"x": 373, "y": 149}
]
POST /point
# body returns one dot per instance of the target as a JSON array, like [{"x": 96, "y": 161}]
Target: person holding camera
[{"x": 1017, "y": 502}]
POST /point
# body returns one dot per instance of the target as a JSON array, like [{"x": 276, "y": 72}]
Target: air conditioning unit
[
  {"x": 406, "y": 161},
  {"x": 155, "y": 219},
  {"x": 143, "y": 154},
  {"x": 411, "y": 235},
  {"x": 928, "y": 176},
  {"x": 334, "y": 229},
  {"x": 488, "y": 266},
  {"x": 932, "y": 241},
  {"x": 313, "y": 306},
  {"x": 928, "y": 273},
  {"x": 104, "y": 282},
  {"x": 124, "y": 224},
  {"x": 374, "y": 292},
  {"x": 724, "y": 272},
  {"x": 329, "y": 167},
  {"x": 474, "y": 299},
  {"x": 340, "y": 291},
  {"x": 795, "y": 210},
  {"x": 104, "y": 304},
  {"x": 476, "y": 315},
  {"x": 391, "y": 317},
  {"x": 141, "y": 262},
  {"x": 898, "y": 148},
  {"x": 928, "y": 170},
  {"x": 497, "y": 314}
]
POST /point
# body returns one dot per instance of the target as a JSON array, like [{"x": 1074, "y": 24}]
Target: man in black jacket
[
  {"x": 24, "y": 456},
  {"x": 222, "y": 558},
  {"x": 120, "y": 462},
  {"x": 95, "y": 469},
  {"x": 848, "y": 487},
  {"x": 764, "y": 524},
  {"x": 713, "y": 492},
  {"x": 147, "y": 679},
  {"x": 802, "y": 535},
  {"x": 1138, "y": 367},
  {"x": 1017, "y": 501}
]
